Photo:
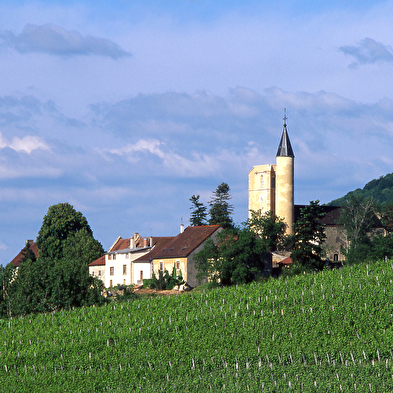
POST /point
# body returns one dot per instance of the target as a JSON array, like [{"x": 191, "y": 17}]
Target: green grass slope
[{"x": 328, "y": 332}]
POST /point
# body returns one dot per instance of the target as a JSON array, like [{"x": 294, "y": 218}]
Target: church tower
[
  {"x": 271, "y": 187},
  {"x": 285, "y": 180}
]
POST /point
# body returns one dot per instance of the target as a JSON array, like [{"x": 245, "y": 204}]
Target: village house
[
  {"x": 116, "y": 266},
  {"x": 179, "y": 253}
]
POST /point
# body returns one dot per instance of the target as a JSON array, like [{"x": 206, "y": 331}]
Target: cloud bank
[
  {"x": 368, "y": 51},
  {"x": 54, "y": 40}
]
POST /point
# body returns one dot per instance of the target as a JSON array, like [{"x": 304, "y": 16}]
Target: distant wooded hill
[{"x": 380, "y": 189}]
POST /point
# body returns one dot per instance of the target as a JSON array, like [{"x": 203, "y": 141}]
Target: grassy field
[{"x": 326, "y": 332}]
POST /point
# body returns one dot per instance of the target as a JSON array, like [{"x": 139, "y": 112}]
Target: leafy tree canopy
[
  {"x": 309, "y": 234},
  {"x": 60, "y": 224},
  {"x": 269, "y": 228},
  {"x": 59, "y": 278},
  {"x": 237, "y": 257},
  {"x": 381, "y": 190}
]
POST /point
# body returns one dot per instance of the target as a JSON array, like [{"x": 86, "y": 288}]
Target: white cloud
[
  {"x": 26, "y": 144},
  {"x": 54, "y": 40}
]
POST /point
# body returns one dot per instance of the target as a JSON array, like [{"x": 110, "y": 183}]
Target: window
[
  {"x": 99, "y": 272},
  {"x": 112, "y": 270},
  {"x": 141, "y": 275},
  {"x": 261, "y": 181},
  {"x": 177, "y": 265},
  {"x": 92, "y": 273},
  {"x": 124, "y": 269},
  {"x": 161, "y": 265},
  {"x": 124, "y": 281},
  {"x": 114, "y": 256},
  {"x": 110, "y": 284},
  {"x": 127, "y": 255},
  {"x": 335, "y": 257},
  {"x": 109, "y": 257}
]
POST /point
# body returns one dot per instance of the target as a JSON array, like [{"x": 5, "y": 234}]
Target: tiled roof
[
  {"x": 286, "y": 261},
  {"x": 17, "y": 260},
  {"x": 183, "y": 244},
  {"x": 159, "y": 244},
  {"x": 122, "y": 244},
  {"x": 98, "y": 262}
]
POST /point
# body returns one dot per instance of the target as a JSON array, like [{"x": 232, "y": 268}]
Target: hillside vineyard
[{"x": 326, "y": 332}]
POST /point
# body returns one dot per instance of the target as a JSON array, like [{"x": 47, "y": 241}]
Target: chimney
[
  {"x": 132, "y": 242},
  {"x": 151, "y": 241},
  {"x": 181, "y": 228},
  {"x": 145, "y": 242}
]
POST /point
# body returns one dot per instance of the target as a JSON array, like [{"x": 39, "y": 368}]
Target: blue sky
[{"x": 127, "y": 108}]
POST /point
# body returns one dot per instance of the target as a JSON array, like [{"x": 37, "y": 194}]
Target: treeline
[{"x": 59, "y": 278}]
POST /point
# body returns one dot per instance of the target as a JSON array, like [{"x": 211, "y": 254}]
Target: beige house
[
  {"x": 180, "y": 251},
  {"x": 97, "y": 268}
]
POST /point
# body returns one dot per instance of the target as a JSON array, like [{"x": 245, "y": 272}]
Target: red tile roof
[
  {"x": 98, "y": 262},
  {"x": 159, "y": 243},
  {"x": 183, "y": 244},
  {"x": 122, "y": 244},
  {"x": 18, "y": 259},
  {"x": 286, "y": 261}
]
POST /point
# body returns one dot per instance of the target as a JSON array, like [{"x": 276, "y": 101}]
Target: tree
[
  {"x": 220, "y": 209},
  {"x": 60, "y": 223},
  {"x": 198, "y": 213},
  {"x": 237, "y": 258},
  {"x": 59, "y": 278},
  {"x": 269, "y": 228},
  {"x": 7, "y": 276},
  {"x": 309, "y": 236},
  {"x": 359, "y": 219}
]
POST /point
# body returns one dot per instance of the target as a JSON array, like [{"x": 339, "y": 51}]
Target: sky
[{"x": 125, "y": 109}]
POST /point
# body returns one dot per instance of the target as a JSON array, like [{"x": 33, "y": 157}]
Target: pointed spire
[{"x": 285, "y": 148}]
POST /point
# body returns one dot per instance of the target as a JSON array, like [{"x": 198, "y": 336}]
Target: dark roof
[
  {"x": 98, "y": 262},
  {"x": 285, "y": 148},
  {"x": 332, "y": 214},
  {"x": 18, "y": 259},
  {"x": 183, "y": 244},
  {"x": 160, "y": 244}
]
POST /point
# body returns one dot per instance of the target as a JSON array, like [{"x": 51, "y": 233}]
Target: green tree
[
  {"x": 59, "y": 278},
  {"x": 7, "y": 299},
  {"x": 359, "y": 218},
  {"x": 60, "y": 224},
  {"x": 220, "y": 209},
  {"x": 237, "y": 258},
  {"x": 309, "y": 235},
  {"x": 269, "y": 228},
  {"x": 198, "y": 213}
]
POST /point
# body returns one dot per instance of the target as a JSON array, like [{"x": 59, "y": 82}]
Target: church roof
[{"x": 285, "y": 148}]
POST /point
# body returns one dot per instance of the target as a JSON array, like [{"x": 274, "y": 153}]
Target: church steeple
[{"x": 285, "y": 148}]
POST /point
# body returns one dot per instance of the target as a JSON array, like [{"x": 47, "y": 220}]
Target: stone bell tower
[{"x": 271, "y": 187}]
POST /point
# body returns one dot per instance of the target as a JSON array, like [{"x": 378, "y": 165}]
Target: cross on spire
[{"x": 285, "y": 117}]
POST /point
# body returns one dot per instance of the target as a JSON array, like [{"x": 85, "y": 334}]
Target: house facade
[
  {"x": 117, "y": 266},
  {"x": 179, "y": 252}
]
